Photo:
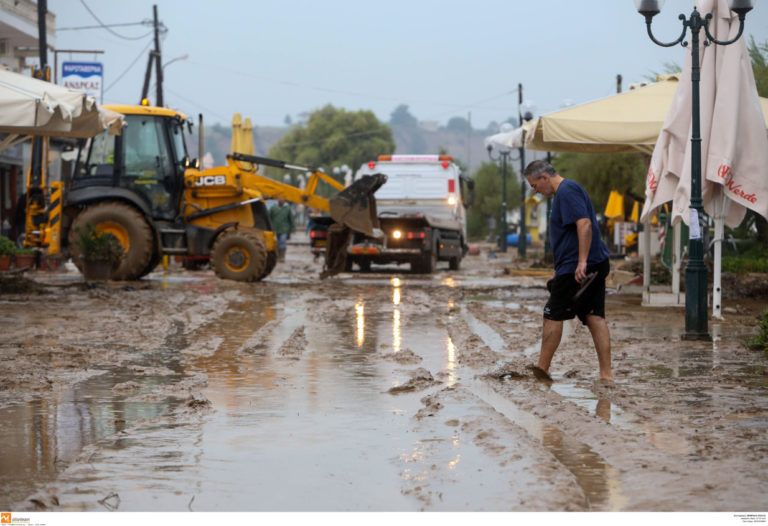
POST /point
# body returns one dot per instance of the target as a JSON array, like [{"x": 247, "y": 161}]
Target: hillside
[{"x": 218, "y": 140}]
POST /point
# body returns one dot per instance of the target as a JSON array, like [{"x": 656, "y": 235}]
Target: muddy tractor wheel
[
  {"x": 239, "y": 255},
  {"x": 128, "y": 226},
  {"x": 271, "y": 262}
]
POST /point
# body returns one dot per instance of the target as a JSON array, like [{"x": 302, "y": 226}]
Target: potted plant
[
  {"x": 101, "y": 252},
  {"x": 25, "y": 257},
  {"x": 6, "y": 251}
]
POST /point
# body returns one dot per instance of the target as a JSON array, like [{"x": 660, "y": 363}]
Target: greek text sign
[{"x": 83, "y": 76}]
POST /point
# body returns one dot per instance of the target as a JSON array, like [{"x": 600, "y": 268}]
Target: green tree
[
  {"x": 759, "y": 55},
  {"x": 488, "y": 192},
  {"x": 402, "y": 118},
  {"x": 406, "y": 131},
  {"x": 457, "y": 124},
  {"x": 333, "y": 137}
]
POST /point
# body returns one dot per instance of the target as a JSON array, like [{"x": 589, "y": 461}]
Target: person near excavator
[
  {"x": 283, "y": 225},
  {"x": 582, "y": 263}
]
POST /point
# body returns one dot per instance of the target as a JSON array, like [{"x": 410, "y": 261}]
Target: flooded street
[{"x": 379, "y": 391}]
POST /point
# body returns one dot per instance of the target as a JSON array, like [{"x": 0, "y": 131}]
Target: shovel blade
[{"x": 355, "y": 206}]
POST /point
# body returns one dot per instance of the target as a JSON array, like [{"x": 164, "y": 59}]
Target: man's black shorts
[{"x": 561, "y": 306}]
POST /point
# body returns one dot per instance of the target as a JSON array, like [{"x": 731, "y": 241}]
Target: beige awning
[
  {"x": 29, "y": 106},
  {"x": 627, "y": 122}
]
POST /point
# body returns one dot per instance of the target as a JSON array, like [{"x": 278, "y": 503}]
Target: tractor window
[
  {"x": 148, "y": 167},
  {"x": 146, "y": 154},
  {"x": 101, "y": 160}
]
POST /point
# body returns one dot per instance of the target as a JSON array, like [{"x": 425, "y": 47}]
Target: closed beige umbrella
[{"x": 734, "y": 145}]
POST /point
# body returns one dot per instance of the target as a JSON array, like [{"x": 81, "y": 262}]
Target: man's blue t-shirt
[{"x": 571, "y": 203}]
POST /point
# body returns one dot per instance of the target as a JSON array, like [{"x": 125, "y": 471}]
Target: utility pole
[
  {"x": 154, "y": 56},
  {"x": 158, "y": 60}
]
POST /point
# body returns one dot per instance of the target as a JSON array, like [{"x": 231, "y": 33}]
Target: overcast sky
[{"x": 270, "y": 58}]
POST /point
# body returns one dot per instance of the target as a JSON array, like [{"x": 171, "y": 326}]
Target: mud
[{"x": 380, "y": 391}]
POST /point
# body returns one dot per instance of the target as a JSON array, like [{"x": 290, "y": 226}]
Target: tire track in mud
[{"x": 598, "y": 481}]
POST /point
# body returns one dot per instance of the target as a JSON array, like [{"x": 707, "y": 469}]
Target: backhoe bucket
[
  {"x": 355, "y": 206},
  {"x": 354, "y": 210}
]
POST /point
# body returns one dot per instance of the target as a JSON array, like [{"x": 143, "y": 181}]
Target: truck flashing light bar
[
  {"x": 415, "y": 158},
  {"x": 445, "y": 159}
]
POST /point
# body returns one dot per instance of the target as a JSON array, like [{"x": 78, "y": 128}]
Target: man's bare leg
[
  {"x": 551, "y": 334},
  {"x": 602, "y": 338}
]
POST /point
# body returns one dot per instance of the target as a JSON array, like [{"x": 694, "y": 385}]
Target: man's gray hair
[{"x": 537, "y": 168}]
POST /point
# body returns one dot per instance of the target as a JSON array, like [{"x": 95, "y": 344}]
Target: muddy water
[
  {"x": 363, "y": 394},
  {"x": 42, "y": 436}
]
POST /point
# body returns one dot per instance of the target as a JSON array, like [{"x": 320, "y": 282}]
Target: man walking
[
  {"x": 581, "y": 266},
  {"x": 283, "y": 225}
]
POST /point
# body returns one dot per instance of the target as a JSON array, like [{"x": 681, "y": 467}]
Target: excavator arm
[{"x": 353, "y": 208}]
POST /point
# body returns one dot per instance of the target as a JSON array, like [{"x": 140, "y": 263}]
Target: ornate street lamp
[
  {"x": 504, "y": 152},
  {"x": 696, "y": 271}
]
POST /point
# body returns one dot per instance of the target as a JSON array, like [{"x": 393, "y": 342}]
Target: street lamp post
[
  {"x": 503, "y": 154},
  {"x": 696, "y": 271},
  {"x": 522, "y": 239}
]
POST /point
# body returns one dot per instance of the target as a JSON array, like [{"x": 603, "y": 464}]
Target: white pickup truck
[{"x": 422, "y": 214}]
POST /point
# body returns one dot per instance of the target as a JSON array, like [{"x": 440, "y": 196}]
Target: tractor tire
[
  {"x": 128, "y": 226},
  {"x": 271, "y": 262},
  {"x": 239, "y": 255},
  {"x": 153, "y": 262}
]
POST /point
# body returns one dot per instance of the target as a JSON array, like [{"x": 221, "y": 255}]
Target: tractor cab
[{"x": 144, "y": 165}]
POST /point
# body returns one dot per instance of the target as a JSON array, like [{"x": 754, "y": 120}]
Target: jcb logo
[
  {"x": 5, "y": 518},
  {"x": 211, "y": 180}
]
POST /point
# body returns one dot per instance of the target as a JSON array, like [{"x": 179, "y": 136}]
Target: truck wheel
[
  {"x": 128, "y": 226},
  {"x": 364, "y": 264},
  {"x": 429, "y": 263},
  {"x": 454, "y": 263},
  {"x": 271, "y": 262},
  {"x": 239, "y": 255}
]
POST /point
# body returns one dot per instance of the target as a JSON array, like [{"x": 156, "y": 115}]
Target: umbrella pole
[
  {"x": 676, "y": 234},
  {"x": 716, "y": 290},
  {"x": 647, "y": 262}
]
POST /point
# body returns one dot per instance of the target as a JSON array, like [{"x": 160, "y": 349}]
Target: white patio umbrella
[
  {"x": 734, "y": 146},
  {"x": 29, "y": 106}
]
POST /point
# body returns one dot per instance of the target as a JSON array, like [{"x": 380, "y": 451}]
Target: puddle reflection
[
  {"x": 360, "y": 322},
  {"x": 41, "y": 437},
  {"x": 450, "y": 365},
  {"x": 599, "y": 480}
]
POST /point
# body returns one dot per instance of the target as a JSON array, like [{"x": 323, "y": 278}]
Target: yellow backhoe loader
[{"x": 142, "y": 188}]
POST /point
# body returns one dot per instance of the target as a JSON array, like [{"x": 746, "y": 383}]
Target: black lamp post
[
  {"x": 522, "y": 239},
  {"x": 696, "y": 271},
  {"x": 503, "y": 154}
]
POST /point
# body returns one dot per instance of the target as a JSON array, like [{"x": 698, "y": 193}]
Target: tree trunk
[{"x": 762, "y": 228}]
